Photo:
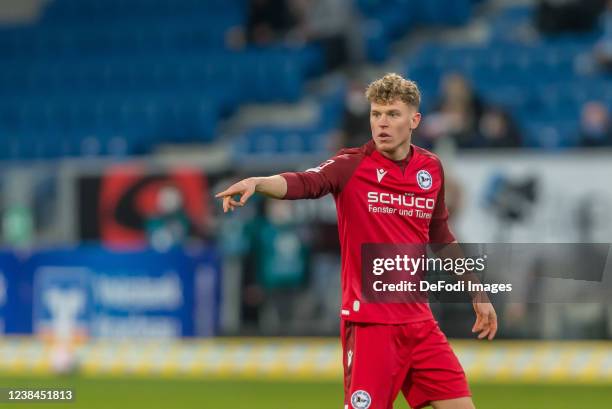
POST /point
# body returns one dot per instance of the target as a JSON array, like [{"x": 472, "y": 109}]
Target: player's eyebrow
[{"x": 390, "y": 111}]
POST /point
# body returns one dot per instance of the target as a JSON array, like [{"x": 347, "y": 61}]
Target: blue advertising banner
[
  {"x": 15, "y": 295},
  {"x": 93, "y": 291},
  {"x": 8, "y": 269}
]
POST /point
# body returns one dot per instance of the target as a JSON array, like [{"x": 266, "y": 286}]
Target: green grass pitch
[{"x": 137, "y": 393}]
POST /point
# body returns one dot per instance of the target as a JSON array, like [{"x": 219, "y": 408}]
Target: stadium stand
[
  {"x": 143, "y": 73},
  {"x": 154, "y": 72},
  {"x": 151, "y": 72},
  {"x": 540, "y": 83}
]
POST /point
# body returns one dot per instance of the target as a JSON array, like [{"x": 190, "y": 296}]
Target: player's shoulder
[
  {"x": 357, "y": 152},
  {"x": 427, "y": 156},
  {"x": 346, "y": 159}
]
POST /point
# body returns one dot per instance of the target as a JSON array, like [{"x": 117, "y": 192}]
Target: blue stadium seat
[
  {"x": 149, "y": 71},
  {"x": 561, "y": 135}
]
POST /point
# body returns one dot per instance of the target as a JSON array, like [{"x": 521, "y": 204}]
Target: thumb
[{"x": 245, "y": 196}]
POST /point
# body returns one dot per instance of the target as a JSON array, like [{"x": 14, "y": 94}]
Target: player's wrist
[
  {"x": 257, "y": 183},
  {"x": 479, "y": 297}
]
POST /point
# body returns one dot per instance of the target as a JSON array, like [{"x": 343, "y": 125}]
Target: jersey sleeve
[
  {"x": 329, "y": 177},
  {"x": 439, "y": 230}
]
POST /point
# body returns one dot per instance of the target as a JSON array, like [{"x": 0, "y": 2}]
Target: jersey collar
[{"x": 379, "y": 157}]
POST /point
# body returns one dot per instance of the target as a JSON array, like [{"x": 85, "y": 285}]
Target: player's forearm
[
  {"x": 271, "y": 186},
  {"x": 454, "y": 251},
  {"x": 447, "y": 250}
]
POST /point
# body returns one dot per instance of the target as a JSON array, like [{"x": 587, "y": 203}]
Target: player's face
[{"x": 392, "y": 125}]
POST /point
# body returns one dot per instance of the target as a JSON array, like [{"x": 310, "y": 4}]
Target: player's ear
[{"x": 416, "y": 120}]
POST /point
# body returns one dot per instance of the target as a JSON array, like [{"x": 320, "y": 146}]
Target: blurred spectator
[
  {"x": 496, "y": 129},
  {"x": 275, "y": 266},
  {"x": 281, "y": 252},
  {"x": 557, "y": 16},
  {"x": 170, "y": 225},
  {"x": 355, "y": 118},
  {"x": 595, "y": 127},
  {"x": 603, "y": 48},
  {"x": 331, "y": 24},
  {"x": 457, "y": 114},
  {"x": 18, "y": 226},
  {"x": 268, "y": 21}
]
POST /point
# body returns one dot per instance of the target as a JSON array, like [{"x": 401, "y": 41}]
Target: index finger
[{"x": 226, "y": 192}]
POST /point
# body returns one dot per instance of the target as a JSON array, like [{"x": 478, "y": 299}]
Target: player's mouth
[{"x": 384, "y": 137}]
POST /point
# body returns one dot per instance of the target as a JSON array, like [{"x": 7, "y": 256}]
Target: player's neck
[{"x": 401, "y": 153}]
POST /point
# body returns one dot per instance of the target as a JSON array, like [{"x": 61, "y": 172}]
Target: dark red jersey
[{"x": 378, "y": 201}]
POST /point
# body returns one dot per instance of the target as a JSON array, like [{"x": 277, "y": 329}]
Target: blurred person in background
[
  {"x": 170, "y": 225},
  {"x": 268, "y": 22},
  {"x": 558, "y": 16},
  {"x": 275, "y": 266},
  {"x": 496, "y": 129},
  {"x": 253, "y": 295},
  {"x": 355, "y": 118},
  {"x": 595, "y": 127},
  {"x": 457, "y": 113},
  {"x": 603, "y": 48},
  {"x": 333, "y": 25},
  {"x": 419, "y": 360},
  {"x": 17, "y": 218}
]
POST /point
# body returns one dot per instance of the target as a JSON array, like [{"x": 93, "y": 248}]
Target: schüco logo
[{"x": 401, "y": 200}]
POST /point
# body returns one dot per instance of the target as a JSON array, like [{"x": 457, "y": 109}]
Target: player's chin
[{"x": 385, "y": 145}]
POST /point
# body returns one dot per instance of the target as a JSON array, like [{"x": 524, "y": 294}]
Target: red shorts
[{"x": 380, "y": 360}]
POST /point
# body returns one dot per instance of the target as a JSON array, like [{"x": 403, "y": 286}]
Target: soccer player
[{"x": 387, "y": 347}]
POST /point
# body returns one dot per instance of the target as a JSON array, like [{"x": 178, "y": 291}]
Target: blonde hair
[{"x": 392, "y": 87}]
